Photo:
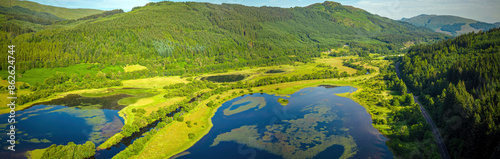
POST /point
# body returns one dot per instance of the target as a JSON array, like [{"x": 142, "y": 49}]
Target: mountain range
[{"x": 448, "y": 24}]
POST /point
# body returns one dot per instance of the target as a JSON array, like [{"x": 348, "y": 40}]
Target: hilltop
[
  {"x": 451, "y": 25},
  {"x": 189, "y": 37},
  {"x": 19, "y": 17},
  {"x": 65, "y": 13}
]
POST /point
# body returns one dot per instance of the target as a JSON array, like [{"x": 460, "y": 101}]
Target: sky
[{"x": 482, "y": 10}]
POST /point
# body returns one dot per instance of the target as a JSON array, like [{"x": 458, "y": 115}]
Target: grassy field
[
  {"x": 177, "y": 132},
  {"x": 38, "y": 75},
  {"x": 131, "y": 68},
  {"x": 4, "y": 94},
  {"x": 337, "y": 62},
  {"x": 153, "y": 82}
]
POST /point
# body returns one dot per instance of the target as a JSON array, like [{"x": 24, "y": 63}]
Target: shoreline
[{"x": 271, "y": 91}]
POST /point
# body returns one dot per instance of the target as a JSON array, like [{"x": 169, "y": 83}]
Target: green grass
[
  {"x": 137, "y": 94},
  {"x": 38, "y": 75},
  {"x": 176, "y": 132},
  {"x": 132, "y": 68},
  {"x": 154, "y": 82},
  {"x": 283, "y": 101},
  {"x": 35, "y": 154},
  {"x": 152, "y": 98}
]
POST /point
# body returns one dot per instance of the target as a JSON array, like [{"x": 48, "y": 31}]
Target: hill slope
[
  {"x": 459, "y": 83},
  {"x": 187, "y": 37},
  {"x": 451, "y": 25},
  {"x": 19, "y": 17},
  {"x": 65, "y": 13}
]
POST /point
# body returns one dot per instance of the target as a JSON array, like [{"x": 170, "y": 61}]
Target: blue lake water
[
  {"x": 70, "y": 119},
  {"x": 314, "y": 124}
]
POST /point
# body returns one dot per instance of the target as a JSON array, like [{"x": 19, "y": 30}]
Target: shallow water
[
  {"x": 70, "y": 119},
  {"x": 315, "y": 124}
]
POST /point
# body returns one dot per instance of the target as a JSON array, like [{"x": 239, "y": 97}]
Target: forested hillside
[
  {"x": 20, "y": 17},
  {"x": 172, "y": 38},
  {"x": 66, "y": 13},
  {"x": 458, "y": 81}
]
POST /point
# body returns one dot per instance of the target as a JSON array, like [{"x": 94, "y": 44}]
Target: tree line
[{"x": 458, "y": 81}]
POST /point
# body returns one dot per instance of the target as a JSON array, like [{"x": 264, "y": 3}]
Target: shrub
[
  {"x": 180, "y": 119},
  {"x": 210, "y": 104},
  {"x": 191, "y": 135}
]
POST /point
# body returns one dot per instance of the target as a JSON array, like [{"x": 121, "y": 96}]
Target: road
[{"x": 437, "y": 136}]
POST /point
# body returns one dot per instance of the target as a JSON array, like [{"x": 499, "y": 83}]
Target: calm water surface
[
  {"x": 70, "y": 119},
  {"x": 314, "y": 124}
]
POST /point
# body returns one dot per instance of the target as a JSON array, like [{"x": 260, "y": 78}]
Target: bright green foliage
[
  {"x": 180, "y": 119},
  {"x": 70, "y": 151},
  {"x": 138, "y": 145},
  {"x": 210, "y": 104}
]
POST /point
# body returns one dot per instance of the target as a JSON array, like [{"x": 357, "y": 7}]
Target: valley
[{"x": 202, "y": 80}]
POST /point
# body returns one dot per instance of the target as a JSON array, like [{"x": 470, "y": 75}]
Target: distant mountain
[
  {"x": 65, "y": 13},
  {"x": 18, "y": 17},
  {"x": 497, "y": 24},
  {"x": 451, "y": 25}
]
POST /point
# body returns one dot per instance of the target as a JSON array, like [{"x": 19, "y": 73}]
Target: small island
[{"x": 283, "y": 101}]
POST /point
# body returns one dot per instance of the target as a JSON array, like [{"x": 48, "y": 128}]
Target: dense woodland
[
  {"x": 187, "y": 39},
  {"x": 458, "y": 81},
  {"x": 410, "y": 135},
  {"x": 176, "y": 38}
]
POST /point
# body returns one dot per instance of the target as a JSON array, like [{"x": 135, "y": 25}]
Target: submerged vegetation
[
  {"x": 245, "y": 104},
  {"x": 208, "y": 96},
  {"x": 287, "y": 139},
  {"x": 188, "y": 58}
]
